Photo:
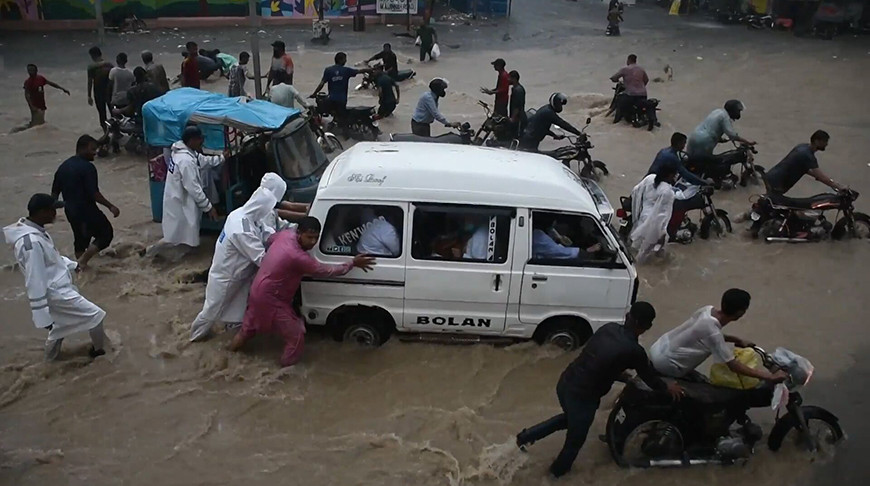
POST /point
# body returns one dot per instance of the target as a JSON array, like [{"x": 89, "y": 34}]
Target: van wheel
[
  {"x": 363, "y": 327},
  {"x": 568, "y": 334}
]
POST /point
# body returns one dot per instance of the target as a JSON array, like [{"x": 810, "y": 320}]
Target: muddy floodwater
[{"x": 160, "y": 411}]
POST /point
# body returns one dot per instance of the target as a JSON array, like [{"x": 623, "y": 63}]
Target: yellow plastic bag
[{"x": 721, "y": 375}]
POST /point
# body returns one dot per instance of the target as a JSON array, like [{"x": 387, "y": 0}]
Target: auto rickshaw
[{"x": 260, "y": 136}]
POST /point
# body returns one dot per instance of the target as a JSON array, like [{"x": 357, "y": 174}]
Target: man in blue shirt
[
  {"x": 544, "y": 246},
  {"x": 427, "y": 111},
  {"x": 337, "y": 77},
  {"x": 670, "y": 157}
]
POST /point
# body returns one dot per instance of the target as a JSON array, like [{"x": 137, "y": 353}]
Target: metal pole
[
  {"x": 408, "y": 13},
  {"x": 101, "y": 30},
  {"x": 255, "y": 46}
]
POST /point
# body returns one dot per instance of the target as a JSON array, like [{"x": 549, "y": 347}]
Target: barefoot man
[{"x": 270, "y": 304}]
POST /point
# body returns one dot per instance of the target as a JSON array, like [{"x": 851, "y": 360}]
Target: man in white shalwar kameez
[
  {"x": 652, "y": 202},
  {"x": 54, "y": 301},
  {"x": 184, "y": 199},
  {"x": 238, "y": 252}
]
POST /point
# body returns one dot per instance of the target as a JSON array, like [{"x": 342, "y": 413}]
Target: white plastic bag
[
  {"x": 436, "y": 51},
  {"x": 418, "y": 41}
]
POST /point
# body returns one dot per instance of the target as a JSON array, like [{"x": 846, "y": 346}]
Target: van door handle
[
  {"x": 539, "y": 278},
  {"x": 497, "y": 282}
]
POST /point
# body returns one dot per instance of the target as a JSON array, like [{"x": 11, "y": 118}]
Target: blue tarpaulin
[{"x": 165, "y": 117}]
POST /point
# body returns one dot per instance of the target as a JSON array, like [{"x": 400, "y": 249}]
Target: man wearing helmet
[
  {"x": 717, "y": 124},
  {"x": 540, "y": 123},
  {"x": 427, "y": 109}
]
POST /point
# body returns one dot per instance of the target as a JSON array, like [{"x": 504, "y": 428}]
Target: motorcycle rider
[
  {"x": 608, "y": 353},
  {"x": 669, "y": 158},
  {"x": 800, "y": 161},
  {"x": 540, "y": 123},
  {"x": 635, "y": 80},
  {"x": 427, "y": 109},
  {"x": 679, "y": 351},
  {"x": 718, "y": 123}
]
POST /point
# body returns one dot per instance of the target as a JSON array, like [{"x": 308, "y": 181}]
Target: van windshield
[{"x": 299, "y": 154}]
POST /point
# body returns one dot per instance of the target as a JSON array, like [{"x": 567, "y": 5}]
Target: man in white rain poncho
[
  {"x": 652, "y": 202},
  {"x": 54, "y": 301},
  {"x": 184, "y": 200},
  {"x": 238, "y": 252}
]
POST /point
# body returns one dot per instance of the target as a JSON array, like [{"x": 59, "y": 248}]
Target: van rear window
[{"x": 351, "y": 229}]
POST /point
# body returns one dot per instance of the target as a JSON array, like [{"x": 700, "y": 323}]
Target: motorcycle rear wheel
[
  {"x": 859, "y": 231},
  {"x": 770, "y": 228}
]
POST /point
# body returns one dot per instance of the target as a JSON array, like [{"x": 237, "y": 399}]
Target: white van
[{"x": 465, "y": 240}]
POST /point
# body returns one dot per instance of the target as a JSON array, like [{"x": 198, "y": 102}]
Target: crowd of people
[{"x": 260, "y": 258}]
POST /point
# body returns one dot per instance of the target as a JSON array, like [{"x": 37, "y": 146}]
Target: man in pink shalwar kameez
[{"x": 270, "y": 303}]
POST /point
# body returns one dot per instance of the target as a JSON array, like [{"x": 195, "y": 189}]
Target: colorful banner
[{"x": 149, "y": 9}]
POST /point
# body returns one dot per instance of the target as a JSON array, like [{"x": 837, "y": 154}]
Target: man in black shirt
[
  {"x": 541, "y": 122},
  {"x": 800, "y": 161},
  {"x": 517, "y": 111},
  {"x": 387, "y": 97},
  {"x": 76, "y": 180},
  {"x": 607, "y": 354},
  {"x": 388, "y": 57}
]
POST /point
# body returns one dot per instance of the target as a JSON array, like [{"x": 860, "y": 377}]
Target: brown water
[{"x": 158, "y": 410}]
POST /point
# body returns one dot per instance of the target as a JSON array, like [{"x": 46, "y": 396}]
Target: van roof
[{"x": 447, "y": 173}]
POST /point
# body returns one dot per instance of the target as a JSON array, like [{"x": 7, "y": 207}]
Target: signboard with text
[{"x": 396, "y": 6}]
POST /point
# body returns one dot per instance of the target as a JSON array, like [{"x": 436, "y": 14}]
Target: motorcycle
[
  {"x": 719, "y": 170},
  {"x": 462, "y": 136},
  {"x": 117, "y": 127},
  {"x": 714, "y": 222},
  {"x": 496, "y": 130},
  {"x": 368, "y": 80},
  {"x": 328, "y": 141},
  {"x": 358, "y": 121},
  {"x": 710, "y": 425},
  {"x": 643, "y": 114},
  {"x": 782, "y": 218},
  {"x": 579, "y": 151}
]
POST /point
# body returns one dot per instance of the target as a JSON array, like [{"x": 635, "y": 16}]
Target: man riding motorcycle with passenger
[
  {"x": 539, "y": 125},
  {"x": 689, "y": 197},
  {"x": 799, "y": 162},
  {"x": 709, "y": 133}
]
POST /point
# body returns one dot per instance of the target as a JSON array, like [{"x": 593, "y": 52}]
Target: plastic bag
[
  {"x": 721, "y": 375},
  {"x": 418, "y": 41},
  {"x": 436, "y": 51}
]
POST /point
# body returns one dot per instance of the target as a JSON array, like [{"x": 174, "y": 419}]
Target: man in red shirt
[
  {"x": 190, "y": 68},
  {"x": 34, "y": 93},
  {"x": 502, "y": 88}
]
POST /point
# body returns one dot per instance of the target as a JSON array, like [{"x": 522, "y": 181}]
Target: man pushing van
[{"x": 270, "y": 309}]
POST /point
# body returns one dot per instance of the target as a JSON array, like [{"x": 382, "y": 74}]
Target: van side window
[
  {"x": 568, "y": 240},
  {"x": 461, "y": 233},
  {"x": 351, "y": 229}
]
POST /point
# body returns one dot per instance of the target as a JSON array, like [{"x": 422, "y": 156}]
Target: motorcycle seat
[
  {"x": 707, "y": 393},
  {"x": 779, "y": 200},
  {"x": 363, "y": 110}
]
